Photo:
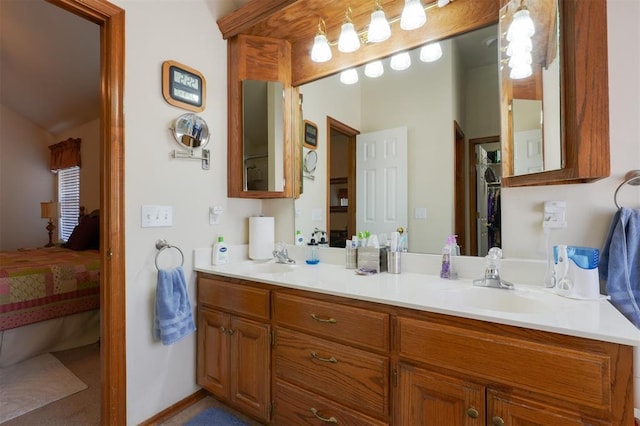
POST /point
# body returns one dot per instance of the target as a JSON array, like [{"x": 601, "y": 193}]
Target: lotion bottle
[
  {"x": 220, "y": 252},
  {"x": 299, "y": 238}
]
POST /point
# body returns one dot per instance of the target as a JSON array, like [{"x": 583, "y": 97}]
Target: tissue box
[{"x": 373, "y": 258}]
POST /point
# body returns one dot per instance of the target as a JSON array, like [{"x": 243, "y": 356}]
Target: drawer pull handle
[
  {"x": 222, "y": 329},
  {"x": 324, "y": 419},
  {"x": 327, "y": 320},
  {"x": 231, "y": 331},
  {"x": 319, "y": 358},
  {"x": 473, "y": 413},
  {"x": 497, "y": 421}
]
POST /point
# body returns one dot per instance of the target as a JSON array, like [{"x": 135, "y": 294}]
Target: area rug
[
  {"x": 34, "y": 383},
  {"x": 215, "y": 416}
]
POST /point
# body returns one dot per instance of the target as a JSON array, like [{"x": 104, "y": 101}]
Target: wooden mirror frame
[{"x": 585, "y": 106}]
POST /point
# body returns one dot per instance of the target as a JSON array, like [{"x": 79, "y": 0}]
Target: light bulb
[
  {"x": 413, "y": 15},
  {"x": 349, "y": 76},
  {"x": 431, "y": 52},
  {"x": 348, "y": 40},
  {"x": 400, "y": 61},
  {"x": 519, "y": 60},
  {"x": 443, "y": 3},
  {"x": 379, "y": 29},
  {"x": 521, "y": 26},
  {"x": 320, "y": 52},
  {"x": 519, "y": 72},
  {"x": 519, "y": 45},
  {"x": 374, "y": 69}
]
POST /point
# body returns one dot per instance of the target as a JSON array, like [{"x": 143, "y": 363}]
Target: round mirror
[
  {"x": 310, "y": 161},
  {"x": 190, "y": 131}
]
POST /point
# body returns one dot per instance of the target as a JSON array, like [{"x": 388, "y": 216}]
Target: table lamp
[{"x": 49, "y": 210}]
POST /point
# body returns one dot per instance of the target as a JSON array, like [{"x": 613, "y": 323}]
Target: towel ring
[
  {"x": 631, "y": 178},
  {"x": 161, "y": 245}
]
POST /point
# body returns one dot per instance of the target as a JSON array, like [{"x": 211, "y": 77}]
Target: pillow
[{"x": 86, "y": 235}]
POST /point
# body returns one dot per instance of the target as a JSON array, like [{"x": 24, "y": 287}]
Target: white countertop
[{"x": 527, "y": 306}]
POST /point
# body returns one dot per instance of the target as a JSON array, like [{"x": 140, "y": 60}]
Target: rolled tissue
[{"x": 261, "y": 237}]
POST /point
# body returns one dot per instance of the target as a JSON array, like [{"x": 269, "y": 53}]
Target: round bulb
[
  {"x": 374, "y": 69},
  {"x": 320, "y": 52},
  {"x": 520, "y": 72},
  {"x": 443, "y": 3},
  {"x": 400, "y": 61},
  {"x": 522, "y": 59},
  {"x": 431, "y": 52},
  {"x": 379, "y": 29},
  {"x": 348, "y": 41},
  {"x": 413, "y": 15},
  {"x": 519, "y": 45},
  {"x": 349, "y": 76},
  {"x": 521, "y": 26}
]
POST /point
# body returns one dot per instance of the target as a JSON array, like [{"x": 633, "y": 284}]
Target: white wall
[
  {"x": 25, "y": 181},
  {"x": 158, "y": 376}
]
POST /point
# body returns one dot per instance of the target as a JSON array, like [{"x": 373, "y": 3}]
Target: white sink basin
[
  {"x": 272, "y": 268},
  {"x": 512, "y": 301}
]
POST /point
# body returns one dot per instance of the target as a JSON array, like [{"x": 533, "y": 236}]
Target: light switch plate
[{"x": 156, "y": 216}]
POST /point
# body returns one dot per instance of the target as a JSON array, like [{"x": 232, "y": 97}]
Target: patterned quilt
[{"x": 46, "y": 283}]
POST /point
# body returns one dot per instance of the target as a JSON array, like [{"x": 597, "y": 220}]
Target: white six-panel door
[{"x": 381, "y": 181}]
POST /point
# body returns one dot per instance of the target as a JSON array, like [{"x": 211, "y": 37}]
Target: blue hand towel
[
  {"x": 620, "y": 263},
  {"x": 173, "y": 316}
]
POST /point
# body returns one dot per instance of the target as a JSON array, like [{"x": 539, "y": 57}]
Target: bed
[{"x": 50, "y": 297}]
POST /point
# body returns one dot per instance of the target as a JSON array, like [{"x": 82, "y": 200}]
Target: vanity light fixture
[
  {"x": 349, "y": 40},
  {"x": 413, "y": 15},
  {"x": 349, "y": 76},
  {"x": 379, "y": 29},
  {"x": 400, "y": 61},
  {"x": 431, "y": 52},
  {"x": 519, "y": 48},
  {"x": 321, "y": 51},
  {"x": 374, "y": 69}
]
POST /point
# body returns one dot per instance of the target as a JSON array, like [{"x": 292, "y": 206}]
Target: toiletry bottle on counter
[
  {"x": 450, "y": 252},
  {"x": 313, "y": 257},
  {"x": 220, "y": 252},
  {"x": 299, "y": 238}
]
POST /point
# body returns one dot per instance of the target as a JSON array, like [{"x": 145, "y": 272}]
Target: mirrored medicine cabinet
[{"x": 263, "y": 39}]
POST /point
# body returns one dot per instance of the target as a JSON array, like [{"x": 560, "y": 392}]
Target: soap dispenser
[{"x": 313, "y": 257}]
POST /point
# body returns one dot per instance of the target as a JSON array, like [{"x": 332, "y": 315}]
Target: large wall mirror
[
  {"x": 459, "y": 90},
  {"x": 263, "y": 135}
]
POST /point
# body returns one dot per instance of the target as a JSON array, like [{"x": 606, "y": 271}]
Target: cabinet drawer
[
  {"x": 295, "y": 406},
  {"x": 234, "y": 298},
  {"x": 570, "y": 375},
  {"x": 350, "y": 376},
  {"x": 354, "y": 326}
]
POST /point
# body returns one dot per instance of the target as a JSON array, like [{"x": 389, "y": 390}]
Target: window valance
[{"x": 65, "y": 154}]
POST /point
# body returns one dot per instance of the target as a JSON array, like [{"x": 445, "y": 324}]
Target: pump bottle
[{"x": 220, "y": 252}]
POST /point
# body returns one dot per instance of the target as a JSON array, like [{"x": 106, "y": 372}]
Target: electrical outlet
[{"x": 554, "y": 215}]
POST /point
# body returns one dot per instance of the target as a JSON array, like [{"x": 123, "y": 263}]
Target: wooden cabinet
[
  {"x": 516, "y": 376},
  {"x": 331, "y": 359},
  {"x": 233, "y": 357},
  {"x": 334, "y": 353}
]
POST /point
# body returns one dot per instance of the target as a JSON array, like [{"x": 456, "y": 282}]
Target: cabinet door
[
  {"x": 505, "y": 410},
  {"x": 431, "y": 399},
  {"x": 213, "y": 352},
  {"x": 250, "y": 366}
]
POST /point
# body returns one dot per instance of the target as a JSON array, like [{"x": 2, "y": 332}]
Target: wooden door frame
[
  {"x": 460, "y": 220},
  {"x": 350, "y": 133},
  {"x": 111, "y": 20},
  {"x": 473, "y": 193}
]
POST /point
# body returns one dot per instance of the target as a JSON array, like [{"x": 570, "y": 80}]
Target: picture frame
[{"x": 310, "y": 134}]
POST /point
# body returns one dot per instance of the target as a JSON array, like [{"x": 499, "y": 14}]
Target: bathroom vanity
[{"x": 318, "y": 344}]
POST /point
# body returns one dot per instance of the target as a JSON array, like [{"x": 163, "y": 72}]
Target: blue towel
[
  {"x": 620, "y": 263},
  {"x": 173, "y": 316}
]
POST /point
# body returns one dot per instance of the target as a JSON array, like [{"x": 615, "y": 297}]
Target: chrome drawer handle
[
  {"x": 324, "y": 419},
  {"x": 327, "y": 320},
  {"x": 319, "y": 358}
]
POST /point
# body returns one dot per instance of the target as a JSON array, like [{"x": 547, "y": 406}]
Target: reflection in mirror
[
  {"x": 432, "y": 100},
  {"x": 531, "y": 100},
  {"x": 190, "y": 131},
  {"x": 263, "y": 135}
]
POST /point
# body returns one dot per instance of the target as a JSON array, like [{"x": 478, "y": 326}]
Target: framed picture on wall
[{"x": 310, "y": 134}]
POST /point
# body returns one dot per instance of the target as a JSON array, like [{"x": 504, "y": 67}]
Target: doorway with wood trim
[{"x": 341, "y": 182}]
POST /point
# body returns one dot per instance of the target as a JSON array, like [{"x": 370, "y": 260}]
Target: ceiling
[{"x": 50, "y": 63}]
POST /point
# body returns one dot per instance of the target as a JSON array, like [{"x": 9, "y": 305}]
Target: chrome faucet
[
  {"x": 282, "y": 255},
  {"x": 492, "y": 272}
]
